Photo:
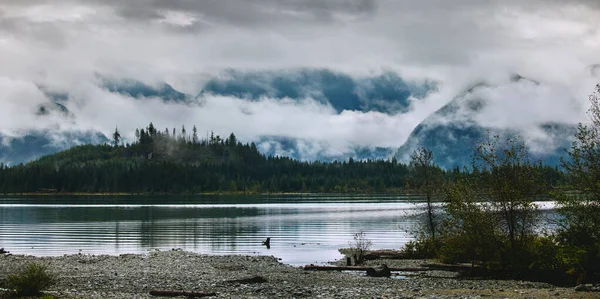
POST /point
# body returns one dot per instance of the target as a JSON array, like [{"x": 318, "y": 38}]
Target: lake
[{"x": 303, "y": 229}]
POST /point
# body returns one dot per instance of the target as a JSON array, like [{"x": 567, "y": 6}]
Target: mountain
[
  {"x": 40, "y": 143},
  {"x": 449, "y": 132},
  {"x": 137, "y": 89},
  {"x": 452, "y": 132},
  {"x": 386, "y": 92},
  {"x": 306, "y": 150},
  {"x": 35, "y": 143}
]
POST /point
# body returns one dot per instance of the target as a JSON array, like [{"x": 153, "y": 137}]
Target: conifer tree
[{"x": 116, "y": 137}]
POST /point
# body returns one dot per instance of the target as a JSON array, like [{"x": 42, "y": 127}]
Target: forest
[{"x": 179, "y": 162}]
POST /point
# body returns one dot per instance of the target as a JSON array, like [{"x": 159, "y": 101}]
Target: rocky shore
[{"x": 134, "y": 276}]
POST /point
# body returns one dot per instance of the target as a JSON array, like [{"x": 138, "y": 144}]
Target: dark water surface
[{"x": 303, "y": 230}]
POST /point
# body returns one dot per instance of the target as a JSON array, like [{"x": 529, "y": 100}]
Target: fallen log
[
  {"x": 356, "y": 268},
  {"x": 254, "y": 279},
  {"x": 165, "y": 293},
  {"x": 385, "y": 254}
]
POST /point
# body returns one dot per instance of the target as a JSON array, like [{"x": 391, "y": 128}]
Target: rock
[
  {"x": 379, "y": 271},
  {"x": 581, "y": 288}
]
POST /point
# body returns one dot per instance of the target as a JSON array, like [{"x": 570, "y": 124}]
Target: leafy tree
[
  {"x": 510, "y": 181},
  {"x": 427, "y": 178},
  {"x": 581, "y": 206},
  {"x": 491, "y": 212}
]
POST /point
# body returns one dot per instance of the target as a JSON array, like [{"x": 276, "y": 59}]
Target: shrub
[
  {"x": 359, "y": 247},
  {"x": 545, "y": 261},
  {"x": 420, "y": 248},
  {"x": 31, "y": 281}
]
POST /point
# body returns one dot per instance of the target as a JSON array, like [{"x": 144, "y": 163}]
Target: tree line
[{"x": 176, "y": 161}]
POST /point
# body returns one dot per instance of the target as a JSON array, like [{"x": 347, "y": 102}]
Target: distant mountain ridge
[
  {"x": 40, "y": 143},
  {"x": 452, "y": 142},
  {"x": 386, "y": 92},
  {"x": 449, "y": 132},
  {"x": 137, "y": 89}
]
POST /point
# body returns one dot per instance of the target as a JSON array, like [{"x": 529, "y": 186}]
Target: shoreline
[
  {"x": 135, "y": 275},
  {"x": 227, "y": 193}
]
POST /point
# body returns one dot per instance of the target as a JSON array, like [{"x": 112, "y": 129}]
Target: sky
[{"x": 71, "y": 46}]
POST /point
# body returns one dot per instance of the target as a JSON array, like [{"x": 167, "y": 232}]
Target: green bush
[
  {"x": 421, "y": 248},
  {"x": 31, "y": 281},
  {"x": 581, "y": 255},
  {"x": 544, "y": 261},
  {"x": 360, "y": 246}
]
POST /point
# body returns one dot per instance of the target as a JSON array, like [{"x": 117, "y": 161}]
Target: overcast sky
[{"x": 67, "y": 45}]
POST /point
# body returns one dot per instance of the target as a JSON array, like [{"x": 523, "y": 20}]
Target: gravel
[{"x": 135, "y": 275}]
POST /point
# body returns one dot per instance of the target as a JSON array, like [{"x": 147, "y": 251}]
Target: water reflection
[{"x": 302, "y": 230}]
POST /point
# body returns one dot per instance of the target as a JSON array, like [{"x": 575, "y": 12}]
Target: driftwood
[
  {"x": 255, "y": 279},
  {"x": 425, "y": 267},
  {"x": 356, "y": 268},
  {"x": 165, "y": 293},
  {"x": 384, "y": 254}
]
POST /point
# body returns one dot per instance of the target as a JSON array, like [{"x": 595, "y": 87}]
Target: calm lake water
[{"x": 303, "y": 230}]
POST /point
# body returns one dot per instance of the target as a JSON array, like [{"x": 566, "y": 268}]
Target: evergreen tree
[
  {"x": 116, "y": 137},
  {"x": 194, "y": 135},
  {"x": 183, "y": 133}
]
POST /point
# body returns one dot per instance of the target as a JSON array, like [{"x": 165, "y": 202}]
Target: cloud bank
[{"x": 360, "y": 73}]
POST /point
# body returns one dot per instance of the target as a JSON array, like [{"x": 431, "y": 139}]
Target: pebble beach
[{"x": 135, "y": 275}]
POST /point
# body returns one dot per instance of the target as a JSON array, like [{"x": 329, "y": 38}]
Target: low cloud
[{"x": 69, "y": 47}]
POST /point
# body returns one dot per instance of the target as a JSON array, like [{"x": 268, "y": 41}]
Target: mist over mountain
[
  {"x": 386, "y": 92},
  {"x": 314, "y": 80},
  {"x": 37, "y": 144},
  {"x": 139, "y": 90},
  {"x": 453, "y": 131},
  {"x": 450, "y": 132},
  {"x": 306, "y": 150},
  {"x": 31, "y": 144}
]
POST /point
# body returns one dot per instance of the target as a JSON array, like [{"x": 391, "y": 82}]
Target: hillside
[
  {"x": 179, "y": 162},
  {"x": 452, "y": 131}
]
